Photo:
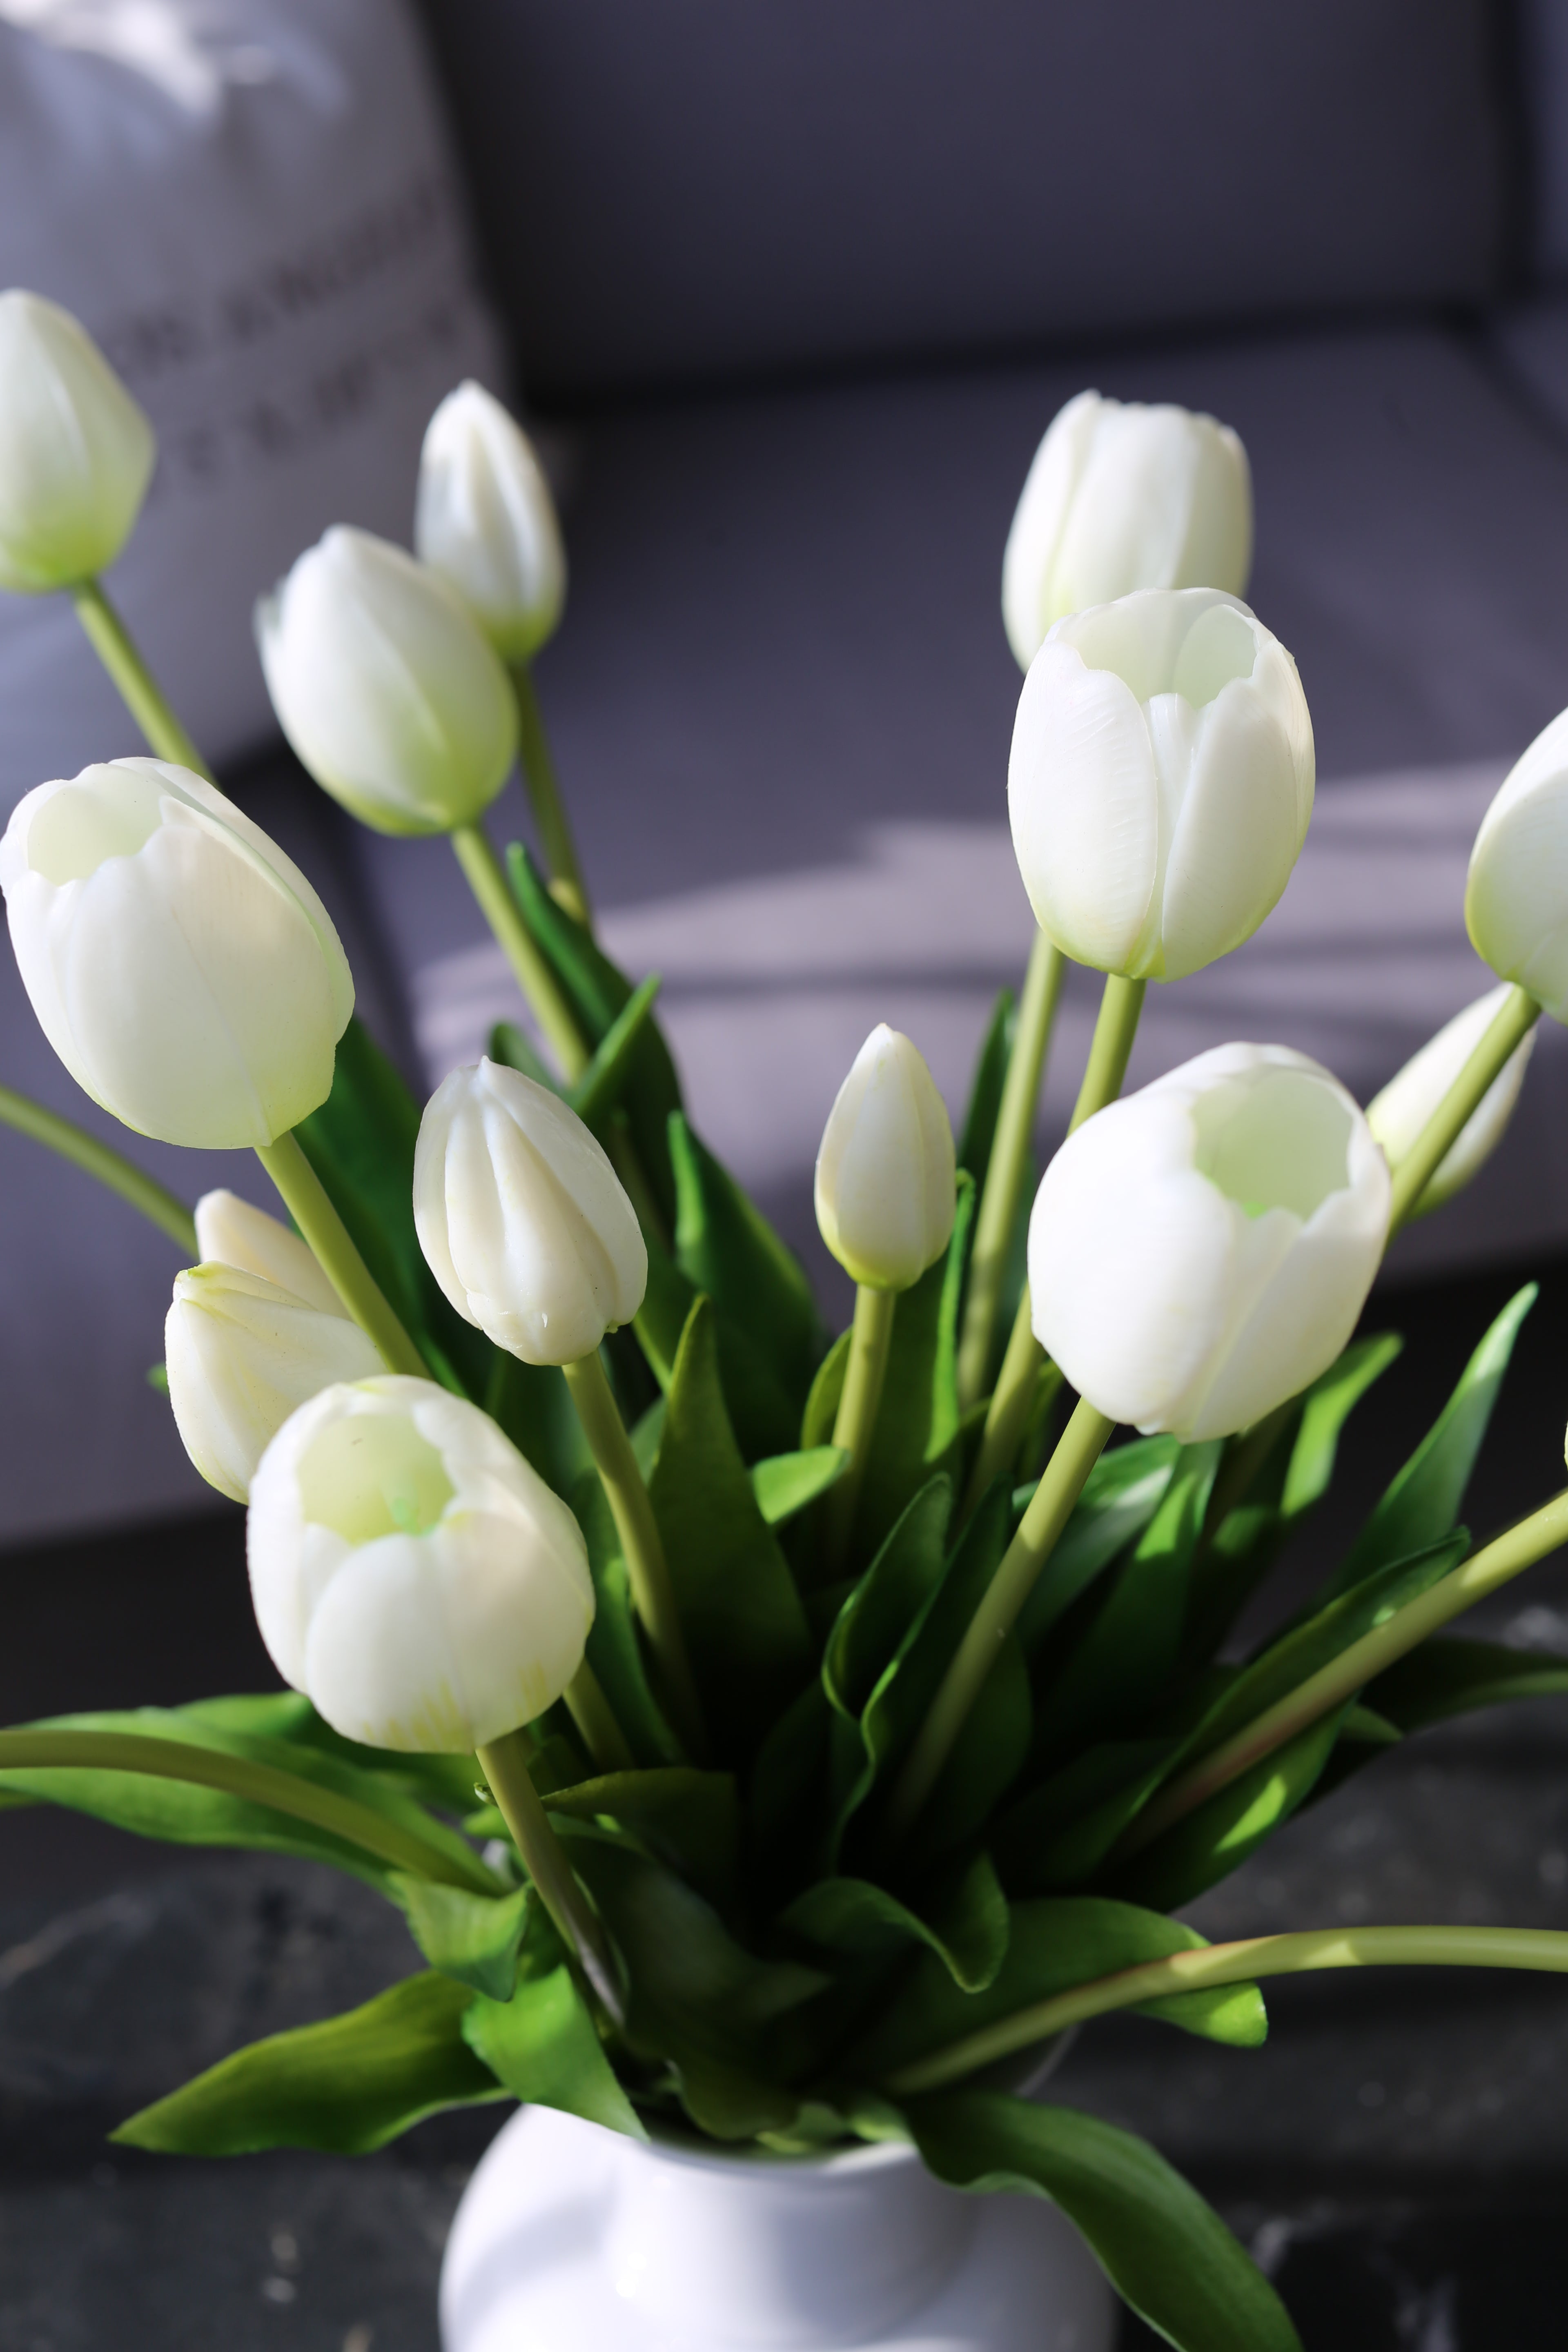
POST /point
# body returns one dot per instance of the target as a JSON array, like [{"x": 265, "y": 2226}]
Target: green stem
[
  {"x": 1004, "y": 1168},
  {"x": 566, "y": 884},
  {"x": 1115, "y": 1028},
  {"x": 653, "y": 1595},
  {"x": 1541, "y": 1948},
  {"x": 324, "y": 1232},
  {"x": 504, "y": 1763},
  {"x": 1050, "y": 1506},
  {"x": 870, "y": 1336},
  {"x": 260, "y": 1784},
  {"x": 1515, "y": 1019},
  {"x": 486, "y": 879},
  {"x": 595, "y": 1720},
  {"x": 1519, "y": 1549},
  {"x": 139, "y": 690},
  {"x": 101, "y": 1159}
]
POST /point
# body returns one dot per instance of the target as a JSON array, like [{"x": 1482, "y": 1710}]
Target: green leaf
[
  {"x": 963, "y": 1921},
  {"x": 347, "y": 2086},
  {"x": 788, "y": 1798},
  {"x": 726, "y": 1246},
  {"x": 785, "y": 1484},
  {"x": 474, "y": 1938},
  {"x": 690, "y": 1819},
  {"x": 615, "y": 1643},
  {"x": 1452, "y": 1677},
  {"x": 533, "y": 1405},
  {"x": 822, "y": 1402},
  {"x": 1167, "y": 2253},
  {"x": 1055, "y": 1942},
  {"x": 602, "y": 1083},
  {"x": 1121, "y": 1495},
  {"x": 986, "y": 1757},
  {"x": 744, "y": 1625},
  {"x": 979, "y": 1130},
  {"x": 287, "y": 1716},
  {"x": 1216, "y": 1837},
  {"x": 1058, "y": 1834},
  {"x": 509, "y": 1046},
  {"x": 762, "y": 1412},
  {"x": 1425, "y": 1500},
  {"x": 542, "y": 2046}
]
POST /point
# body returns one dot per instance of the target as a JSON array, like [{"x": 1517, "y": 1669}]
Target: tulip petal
[
  {"x": 1235, "y": 840},
  {"x": 1083, "y": 799}
]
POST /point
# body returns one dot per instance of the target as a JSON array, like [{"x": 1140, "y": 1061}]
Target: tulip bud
[
  {"x": 522, "y": 1218},
  {"x": 1199, "y": 1252},
  {"x": 229, "y": 1232},
  {"x": 75, "y": 452},
  {"x": 1119, "y": 498},
  {"x": 242, "y": 1354},
  {"x": 1516, "y": 900},
  {"x": 412, "y": 1574},
  {"x": 1397, "y": 1116},
  {"x": 181, "y": 966},
  {"x": 484, "y": 520},
  {"x": 1161, "y": 781},
  {"x": 885, "y": 1173},
  {"x": 386, "y": 687}
]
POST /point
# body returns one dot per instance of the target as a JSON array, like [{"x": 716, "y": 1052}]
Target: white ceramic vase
[{"x": 570, "y": 2239}]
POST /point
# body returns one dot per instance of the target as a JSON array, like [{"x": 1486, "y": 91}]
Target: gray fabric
[
  {"x": 1528, "y": 347},
  {"x": 1543, "y": 77},
  {"x": 676, "y": 189}
]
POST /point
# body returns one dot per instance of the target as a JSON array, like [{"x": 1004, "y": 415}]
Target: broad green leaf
[
  {"x": 964, "y": 1920},
  {"x": 602, "y": 1084},
  {"x": 533, "y": 1405},
  {"x": 822, "y": 1402},
  {"x": 690, "y": 1819},
  {"x": 542, "y": 2046},
  {"x": 1452, "y": 1677},
  {"x": 744, "y": 1625},
  {"x": 1121, "y": 1495},
  {"x": 784, "y": 1484},
  {"x": 1057, "y": 1837},
  {"x": 762, "y": 1412},
  {"x": 1425, "y": 1500},
  {"x": 1055, "y": 1942},
  {"x": 1217, "y": 1837},
  {"x": 979, "y": 1130},
  {"x": 726, "y": 1246},
  {"x": 615, "y": 1643},
  {"x": 646, "y": 1433},
  {"x": 345, "y": 2085},
  {"x": 1167, "y": 2253},
  {"x": 474, "y": 1938},
  {"x": 886, "y": 1603},
  {"x": 1328, "y": 1404},
  {"x": 987, "y": 1757},
  {"x": 789, "y": 1796},
  {"x": 287, "y": 1716}
]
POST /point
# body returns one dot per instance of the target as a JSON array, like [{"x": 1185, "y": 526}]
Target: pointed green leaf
[
  {"x": 986, "y": 1757},
  {"x": 789, "y": 1795},
  {"x": 1058, "y": 1834},
  {"x": 542, "y": 2046},
  {"x": 726, "y": 1246},
  {"x": 474, "y": 1938},
  {"x": 1121, "y": 1495},
  {"x": 691, "y": 1819},
  {"x": 1167, "y": 2253},
  {"x": 822, "y": 1402},
  {"x": 762, "y": 1412},
  {"x": 287, "y": 1716},
  {"x": 510, "y": 1048},
  {"x": 602, "y": 1083},
  {"x": 1217, "y": 1837},
  {"x": 1452, "y": 1677},
  {"x": 784, "y": 1484},
  {"x": 615, "y": 1642},
  {"x": 533, "y": 1405},
  {"x": 963, "y": 1921},
  {"x": 347, "y": 2086},
  {"x": 979, "y": 1128}
]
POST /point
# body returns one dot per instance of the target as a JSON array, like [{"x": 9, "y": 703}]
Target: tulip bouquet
[{"x": 767, "y": 1737}]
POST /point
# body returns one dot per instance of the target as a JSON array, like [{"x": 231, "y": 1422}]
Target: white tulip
[
  {"x": 229, "y": 1232},
  {"x": 486, "y": 521},
  {"x": 1516, "y": 900},
  {"x": 181, "y": 966},
  {"x": 1397, "y": 1116},
  {"x": 1161, "y": 781},
  {"x": 386, "y": 687},
  {"x": 1199, "y": 1252},
  {"x": 242, "y": 1354},
  {"x": 1123, "y": 496},
  {"x": 412, "y": 1574},
  {"x": 75, "y": 452},
  {"x": 522, "y": 1218},
  {"x": 884, "y": 1174}
]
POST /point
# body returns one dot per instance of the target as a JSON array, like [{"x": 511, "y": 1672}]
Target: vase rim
[{"x": 670, "y": 2145}]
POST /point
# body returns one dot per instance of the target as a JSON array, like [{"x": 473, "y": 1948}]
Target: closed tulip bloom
[
  {"x": 486, "y": 521},
  {"x": 75, "y": 452},
  {"x": 1516, "y": 902},
  {"x": 229, "y": 1232},
  {"x": 1398, "y": 1114},
  {"x": 1161, "y": 781},
  {"x": 885, "y": 1173},
  {"x": 1199, "y": 1252},
  {"x": 181, "y": 966},
  {"x": 522, "y": 1220},
  {"x": 242, "y": 1354},
  {"x": 1123, "y": 496},
  {"x": 412, "y": 1574},
  {"x": 386, "y": 687}
]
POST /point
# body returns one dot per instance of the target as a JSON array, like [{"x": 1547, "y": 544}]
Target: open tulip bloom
[{"x": 748, "y": 1725}]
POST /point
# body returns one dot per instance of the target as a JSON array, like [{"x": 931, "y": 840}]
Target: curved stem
[
  {"x": 139, "y": 690},
  {"x": 504, "y": 1763},
  {"x": 1115, "y": 1028},
  {"x": 653, "y": 1595},
  {"x": 870, "y": 1337},
  {"x": 1508, "y": 1030},
  {"x": 101, "y": 1159},
  {"x": 595, "y": 1720},
  {"x": 1519, "y": 1549},
  {"x": 306, "y": 1199},
  {"x": 1004, "y": 1168},
  {"x": 1050, "y": 1506},
  {"x": 260, "y": 1784},
  {"x": 566, "y": 883},
  {"x": 486, "y": 879},
  {"x": 1541, "y": 1948}
]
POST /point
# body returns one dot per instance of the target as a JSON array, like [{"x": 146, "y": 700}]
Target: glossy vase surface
[{"x": 570, "y": 2239}]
